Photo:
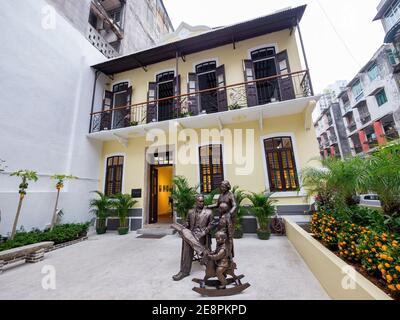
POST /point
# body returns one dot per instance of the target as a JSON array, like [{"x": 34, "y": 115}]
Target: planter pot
[
  {"x": 263, "y": 234},
  {"x": 101, "y": 230},
  {"x": 122, "y": 231},
  {"x": 238, "y": 234}
]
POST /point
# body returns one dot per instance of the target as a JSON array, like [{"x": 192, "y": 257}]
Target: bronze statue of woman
[{"x": 228, "y": 198}]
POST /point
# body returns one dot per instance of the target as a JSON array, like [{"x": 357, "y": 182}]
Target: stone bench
[{"x": 31, "y": 253}]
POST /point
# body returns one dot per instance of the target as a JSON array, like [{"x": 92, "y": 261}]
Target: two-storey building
[
  {"x": 209, "y": 104},
  {"x": 389, "y": 14}
]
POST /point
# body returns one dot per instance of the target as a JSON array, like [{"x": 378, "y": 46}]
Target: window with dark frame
[
  {"x": 265, "y": 66},
  {"x": 114, "y": 170},
  {"x": 165, "y": 89},
  {"x": 381, "y": 97},
  {"x": 281, "y": 165},
  {"x": 207, "y": 79},
  {"x": 211, "y": 167},
  {"x": 122, "y": 86}
]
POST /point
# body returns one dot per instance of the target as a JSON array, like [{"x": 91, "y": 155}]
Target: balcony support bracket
[
  {"x": 220, "y": 124},
  {"x": 308, "y": 114},
  {"x": 123, "y": 141},
  {"x": 261, "y": 121}
]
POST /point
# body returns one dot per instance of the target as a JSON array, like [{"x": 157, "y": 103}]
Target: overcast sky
[{"x": 333, "y": 55}]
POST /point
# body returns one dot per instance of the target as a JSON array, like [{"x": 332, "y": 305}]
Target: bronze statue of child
[
  {"x": 219, "y": 261},
  {"x": 226, "y": 225}
]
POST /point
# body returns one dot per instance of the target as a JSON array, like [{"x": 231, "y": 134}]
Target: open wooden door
[
  {"x": 105, "y": 122},
  {"x": 153, "y": 212},
  {"x": 193, "y": 99},
  {"x": 151, "y": 114},
  {"x": 251, "y": 88},
  {"x": 221, "y": 94},
  {"x": 285, "y": 82}
]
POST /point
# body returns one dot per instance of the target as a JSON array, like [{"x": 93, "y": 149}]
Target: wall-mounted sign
[{"x": 136, "y": 193}]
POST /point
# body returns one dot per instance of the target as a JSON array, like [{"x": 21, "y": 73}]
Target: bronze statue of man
[{"x": 195, "y": 234}]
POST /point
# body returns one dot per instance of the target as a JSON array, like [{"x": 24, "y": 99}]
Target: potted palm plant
[
  {"x": 99, "y": 207},
  {"x": 183, "y": 195},
  {"x": 122, "y": 203},
  {"x": 240, "y": 196},
  {"x": 263, "y": 209}
]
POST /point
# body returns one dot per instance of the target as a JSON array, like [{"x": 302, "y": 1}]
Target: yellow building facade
[{"x": 231, "y": 103}]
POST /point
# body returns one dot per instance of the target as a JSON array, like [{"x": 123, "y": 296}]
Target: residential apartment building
[
  {"x": 389, "y": 15},
  {"x": 46, "y": 97},
  {"x": 117, "y": 27},
  {"x": 242, "y": 86},
  {"x": 329, "y": 124},
  {"x": 371, "y": 103}
]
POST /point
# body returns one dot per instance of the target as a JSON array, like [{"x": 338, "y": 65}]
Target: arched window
[
  {"x": 281, "y": 165},
  {"x": 114, "y": 170},
  {"x": 166, "y": 83},
  {"x": 207, "y": 79},
  {"x": 211, "y": 167}
]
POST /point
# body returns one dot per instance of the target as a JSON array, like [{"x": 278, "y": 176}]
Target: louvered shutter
[
  {"x": 177, "y": 93},
  {"x": 221, "y": 94},
  {"x": 193, "y": 100},
  {"x": 251, "y": 88},
  {"x": 285, "y": 82},
  {"x": 151, "y": 102},
  {"x": 105, "y": 122}
]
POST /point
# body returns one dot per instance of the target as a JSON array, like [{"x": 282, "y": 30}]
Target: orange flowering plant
[{"x": 377, "y": 251}]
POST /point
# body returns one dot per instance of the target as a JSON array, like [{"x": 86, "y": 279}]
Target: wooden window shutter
[
  {"x": 251, "y": 88},
  {"x": 151, "y": 102},
  {"x": 193, "y": 100},
  {"x": 211, "y": 167},
  {"x": 282, "y": 172},
  {"x": 177, "y": 93},
  {"x": 222, "y": 95},
  {"x": 285, "y": 83},
  {"x": 105, "y": 122},
  {"x": 127, "y": 110},
  {"x": 114, "y": 174}
]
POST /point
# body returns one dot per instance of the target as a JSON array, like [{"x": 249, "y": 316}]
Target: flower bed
[
  {"x": 60, "y": 234},
  {"x": 374, "y": 253}
]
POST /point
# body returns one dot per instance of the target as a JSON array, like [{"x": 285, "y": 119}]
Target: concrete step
[{"x": 156, "y": 231}]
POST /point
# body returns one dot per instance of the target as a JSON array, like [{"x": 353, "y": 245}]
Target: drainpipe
[
  {"x": 305, "y": 57},
  {"x": 93, "y": 96},
  {"x": 177, "y": 80}
]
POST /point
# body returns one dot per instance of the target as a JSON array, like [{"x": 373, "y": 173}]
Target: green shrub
[{"x": 59, "y": 234}]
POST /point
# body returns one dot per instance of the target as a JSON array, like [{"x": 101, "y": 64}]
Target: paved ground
[{"x": 125, "y": 267}]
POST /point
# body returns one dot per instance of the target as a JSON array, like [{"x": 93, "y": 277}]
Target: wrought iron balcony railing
[
  {"x": 333, "y": 139},
  {"x": 351, "y": 127},
  {"x": 224, "y": 98}
]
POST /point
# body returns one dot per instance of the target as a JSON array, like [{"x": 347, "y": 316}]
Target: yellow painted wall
[
  {"x": 164, "y": 179},
  {"x": 226, "y": 55},
  {"x": 305, "y": 142}
]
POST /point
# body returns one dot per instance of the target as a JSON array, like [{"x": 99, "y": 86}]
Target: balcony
[
  {"x": 242, "y": 96},
  {"x": 333, "y": 139},
  {"x": 365, "y": 118},
  {"x": 351, "y": 127}
]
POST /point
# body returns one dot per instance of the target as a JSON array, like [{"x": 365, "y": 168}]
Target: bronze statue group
[{"x": 196, "y": 236}]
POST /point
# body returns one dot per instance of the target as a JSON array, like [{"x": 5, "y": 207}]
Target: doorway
[
  {"x": 265, "y": 66},
  {"x": 161, "y": 205},
  {"x": 165, "y": 89},
  {"x": 207, "y": 79}
]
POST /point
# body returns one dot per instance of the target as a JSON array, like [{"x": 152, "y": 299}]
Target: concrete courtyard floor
[{"x": 125, "y": 267}]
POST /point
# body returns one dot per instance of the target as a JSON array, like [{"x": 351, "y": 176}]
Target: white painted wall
[{"x": 46, "y": 89}]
